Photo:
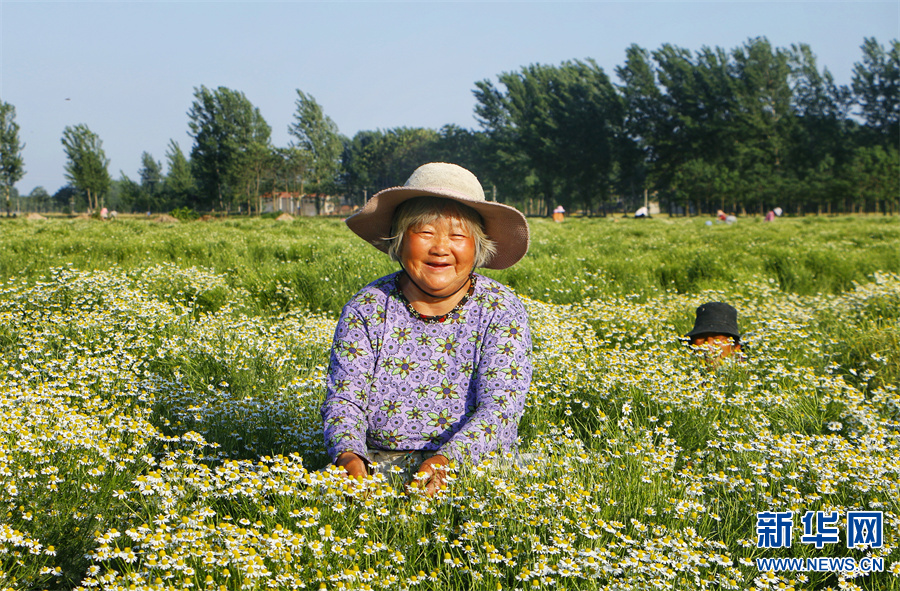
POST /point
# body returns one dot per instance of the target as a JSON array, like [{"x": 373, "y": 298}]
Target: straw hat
[{"x": 503, "y": 224}]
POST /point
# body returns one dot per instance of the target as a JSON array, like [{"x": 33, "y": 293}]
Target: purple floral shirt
[{"x": 397, "y": 382}]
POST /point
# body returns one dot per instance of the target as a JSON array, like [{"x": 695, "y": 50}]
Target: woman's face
[{"x": 439, "y": 256}]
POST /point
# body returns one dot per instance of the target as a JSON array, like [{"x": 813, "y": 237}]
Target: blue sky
[{"x": 128, "y": 69}]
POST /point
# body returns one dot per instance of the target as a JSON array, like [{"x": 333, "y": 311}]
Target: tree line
[{"x": 743, "y": 130}]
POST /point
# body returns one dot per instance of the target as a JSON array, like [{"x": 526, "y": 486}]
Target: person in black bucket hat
[{"x": 716, "y": 327}]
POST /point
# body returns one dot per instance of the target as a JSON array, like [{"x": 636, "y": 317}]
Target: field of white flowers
[{"x": 149, "y": 443}]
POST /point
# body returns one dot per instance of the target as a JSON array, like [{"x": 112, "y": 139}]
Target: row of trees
[{"x": 746, "y": 129}]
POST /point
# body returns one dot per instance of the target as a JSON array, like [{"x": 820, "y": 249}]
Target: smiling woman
[{"x": 430, "y": 364}]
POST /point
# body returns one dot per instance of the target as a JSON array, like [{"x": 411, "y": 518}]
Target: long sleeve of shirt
[
  {"x": 502, "y": 380},
  {"x": 348, "y": 383}
]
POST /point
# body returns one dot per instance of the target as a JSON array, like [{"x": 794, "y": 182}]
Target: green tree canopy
[
  {"x": 289, "y": 169},
  {"x": 87, "y": 164},
  {"x": 179, "y": 185},
  {"x": 376, "y": 160},
  {"x": 12, "y": 166},
  {"x": 229, "y": 135},
  {"x": 875, "y": 172},
  {"x": 318, "y": 136},
  {"x": 38, "y": 200},
  {"x": 766, "y": 114},
  {"x": 150, "y": 172},
  {"x": 821, "y": 108},
  {"x": 563, "y": 120},
  {"x": 151, "y": 177},
  {"x": 131, "y": 194},
  {"x": 876, "y": 85}
]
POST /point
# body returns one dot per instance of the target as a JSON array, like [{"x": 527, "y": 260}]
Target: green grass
[{"x": 319, "y": 263}]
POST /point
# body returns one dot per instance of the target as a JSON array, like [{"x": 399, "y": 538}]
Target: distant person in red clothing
[{"x": 559, "y": 213}]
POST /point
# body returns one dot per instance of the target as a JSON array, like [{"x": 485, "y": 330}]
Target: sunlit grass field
[{"x": 160, "y": 386}]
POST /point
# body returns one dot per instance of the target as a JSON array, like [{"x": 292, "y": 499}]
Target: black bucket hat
[{"x": 716, "y": 318}]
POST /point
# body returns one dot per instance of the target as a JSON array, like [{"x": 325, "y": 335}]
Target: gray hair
[{"x": 419, "y": 211}]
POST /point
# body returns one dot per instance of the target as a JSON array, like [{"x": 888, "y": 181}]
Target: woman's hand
[
  {"x": 354, "y": 465},
  {"x": 436, "y": 469}
]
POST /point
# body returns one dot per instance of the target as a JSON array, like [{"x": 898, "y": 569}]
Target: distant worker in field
[
  {"x": 559, "y": 213},
  {"x": 431, "y": 363},
  {"x": 715, "y": 331},
  {"x": 728, "y": 218}
]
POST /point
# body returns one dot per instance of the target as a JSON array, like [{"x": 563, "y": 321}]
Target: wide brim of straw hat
[{"x": 503, "y": 224}]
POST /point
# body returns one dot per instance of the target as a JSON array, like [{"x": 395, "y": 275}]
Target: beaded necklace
[{"x": 433, "y": 319}]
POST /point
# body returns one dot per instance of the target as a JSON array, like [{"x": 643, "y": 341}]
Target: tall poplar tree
[
  {"x": 318, "y": 136},
  {"x": 822, "y": 108},
  {"x": 228, "y": 132},
  {"x": 87, "y": 165},
  {"x": 151, "y": 180},
  {"x": 643, "y": 113},
  {"x": 876, "y": 88},
  {"x": 12, "y": 166},
  {"x": 179, "y": 185}
]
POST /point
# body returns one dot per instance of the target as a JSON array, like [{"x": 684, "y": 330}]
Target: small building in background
[{"x": 296, "y": 204}]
